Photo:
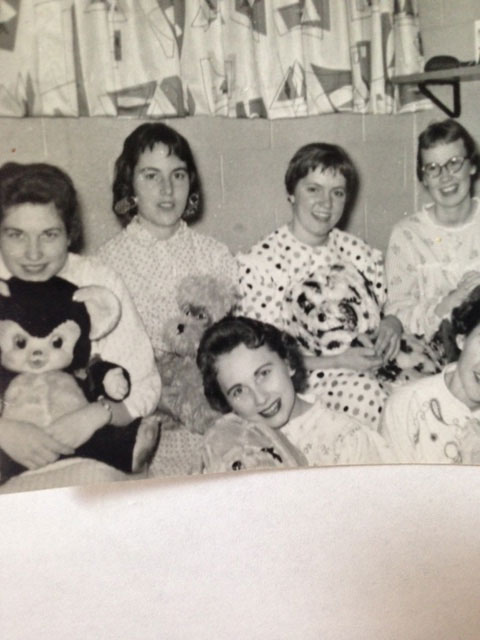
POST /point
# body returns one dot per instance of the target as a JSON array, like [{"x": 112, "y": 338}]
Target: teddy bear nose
[
  {"x": 37, "y": 352},
  {"x": 181, "y": 328}
]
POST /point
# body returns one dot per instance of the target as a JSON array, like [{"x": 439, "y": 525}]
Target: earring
[
  {"x": 291, "y": 199},
  {"x": 192, "y": 206},
  {"x": 125, "y": 205}
]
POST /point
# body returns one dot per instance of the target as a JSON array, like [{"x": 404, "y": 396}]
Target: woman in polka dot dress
[
  {"x": 156, "y": 192},
  {"x": 327, "y": 288}
]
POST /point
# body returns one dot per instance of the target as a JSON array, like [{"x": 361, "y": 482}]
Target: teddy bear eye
[
  {"x": 20, "y": 342},
  {"x": 57, "y": 343}
]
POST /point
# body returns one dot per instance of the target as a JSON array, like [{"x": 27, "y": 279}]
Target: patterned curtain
[{"x": 234, "y": 58}]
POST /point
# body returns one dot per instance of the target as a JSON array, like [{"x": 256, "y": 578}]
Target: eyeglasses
[{"x": 434, "y": 169}]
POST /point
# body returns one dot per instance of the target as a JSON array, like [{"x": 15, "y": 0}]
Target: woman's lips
[
  {"x": 447, "y": 191},
  {"x": 271, "y": 410},
  {"x": 323, "y": 216},
  {"x": 34, "y": 268}
]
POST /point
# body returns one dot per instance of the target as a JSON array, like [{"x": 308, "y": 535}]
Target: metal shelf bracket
[{"x": 455, "y": 84}]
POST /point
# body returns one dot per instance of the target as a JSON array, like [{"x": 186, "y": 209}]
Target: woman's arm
[
  {"x": 260, "y": 297},
  {"x": 127, "y": 345},
  {"x": 75, "y": 428},
  {"x": 357, "y": 358},
  {"x": 404, "y": 300},
  {"x": 29, "y": 445}
]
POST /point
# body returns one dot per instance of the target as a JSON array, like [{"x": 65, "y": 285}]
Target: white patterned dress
[
  {"x": 328, "y": 437},
  {"x": 424, "y": 262},
  {"x": 424, "y": 422},
  {"x": 325, "y": 296},
  {"x": 152, "y": 269}
]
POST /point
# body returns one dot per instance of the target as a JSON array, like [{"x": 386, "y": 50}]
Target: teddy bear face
[
  {"x": 183, "y": 332},
  {"x": 22, "y": 353}
]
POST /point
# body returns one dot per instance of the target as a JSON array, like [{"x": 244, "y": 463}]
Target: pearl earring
[{"x": 125, "y": 205}]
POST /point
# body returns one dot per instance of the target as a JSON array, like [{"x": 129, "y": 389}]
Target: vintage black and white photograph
[
  {"x": 239, "y": 319},
  {"x": 234, "y": 236}
]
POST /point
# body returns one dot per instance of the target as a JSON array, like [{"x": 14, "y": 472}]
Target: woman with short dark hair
[{"x": 325, "y": 286}]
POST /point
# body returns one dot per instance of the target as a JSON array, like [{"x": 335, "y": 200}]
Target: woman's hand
[
  {"x": 469, "y": 281},
  {"x": 29, "y": 445},
  {"x": 387, "y": 343},
  {"x": 73, "y": 429},
  {"x": 359, "y": 359}
]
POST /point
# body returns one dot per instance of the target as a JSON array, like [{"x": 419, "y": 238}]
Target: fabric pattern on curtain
[{"x": 233, "y": 58}]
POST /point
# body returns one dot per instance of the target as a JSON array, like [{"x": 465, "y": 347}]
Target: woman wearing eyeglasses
[{"x": 433, "y": 256}]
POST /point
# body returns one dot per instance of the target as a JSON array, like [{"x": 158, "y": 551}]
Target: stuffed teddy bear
[
  {"x": 45, "y": 369},
  {"x": 201, "y": 301},
  {"x": 329, "y": 311}
]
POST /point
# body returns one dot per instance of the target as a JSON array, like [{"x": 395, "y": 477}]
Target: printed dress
[
  {"x": 424, "y": 262},
  {"x": 327, "y": 437},
  {"x": 325, "y": 296},
  {"x": 424, "y": 422},
  {"x": 152, "y": 269}
]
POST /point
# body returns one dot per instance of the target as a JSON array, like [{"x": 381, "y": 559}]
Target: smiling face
[
  {"x": 449, "y": 191},
  {"x": 33, "y": 241},
  {"x": 318, "y": 202},
  {"x": 161, "y": 184},
  {"x": 465, "y": 381},
  {"x": 258, "y": 386}
]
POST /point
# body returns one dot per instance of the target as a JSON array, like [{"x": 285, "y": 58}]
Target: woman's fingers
[{"x": 46, "y": 450}]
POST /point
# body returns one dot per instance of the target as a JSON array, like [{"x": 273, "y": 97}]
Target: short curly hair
[
  {"x": 42, "y": 183},
  {"x": 327, "y": 156},
  {"x": 230, "y": 332},
  {"x": 146, "y": 136}
]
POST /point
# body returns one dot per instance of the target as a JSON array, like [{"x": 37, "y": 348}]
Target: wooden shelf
[{"x": 451, "y": 77}]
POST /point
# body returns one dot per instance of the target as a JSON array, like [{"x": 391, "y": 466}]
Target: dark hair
[
  {"x": 42, "y": 183},
  {"x": 466, "y": 316},
  {"x": 446, "y": 131},
  {"x": 146, "y": 136},
  {"x": 230, "y": 332},
  {"x": 328, "y": 156}
]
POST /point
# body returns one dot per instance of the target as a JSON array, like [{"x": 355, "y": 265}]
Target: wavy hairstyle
[{"x": 230, "y": 332}]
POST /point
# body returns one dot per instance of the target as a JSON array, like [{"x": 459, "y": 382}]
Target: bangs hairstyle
[
  {"x": 230, "y": 332},
  {"x": 328, "y": 156},
  {"x": 146, "y": 136},
  {"x": 444, "y": 132},
  {"x": 42, "y": 183}
]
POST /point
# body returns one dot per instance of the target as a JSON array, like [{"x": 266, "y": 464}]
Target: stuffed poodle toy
[
  {"x": 329, "y": 311},
  {"x": 46, "y": 374},
  {"x": 201, "y": 300}
]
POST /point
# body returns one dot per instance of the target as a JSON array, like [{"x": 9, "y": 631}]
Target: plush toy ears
[{"x": 103, "y": 307}]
